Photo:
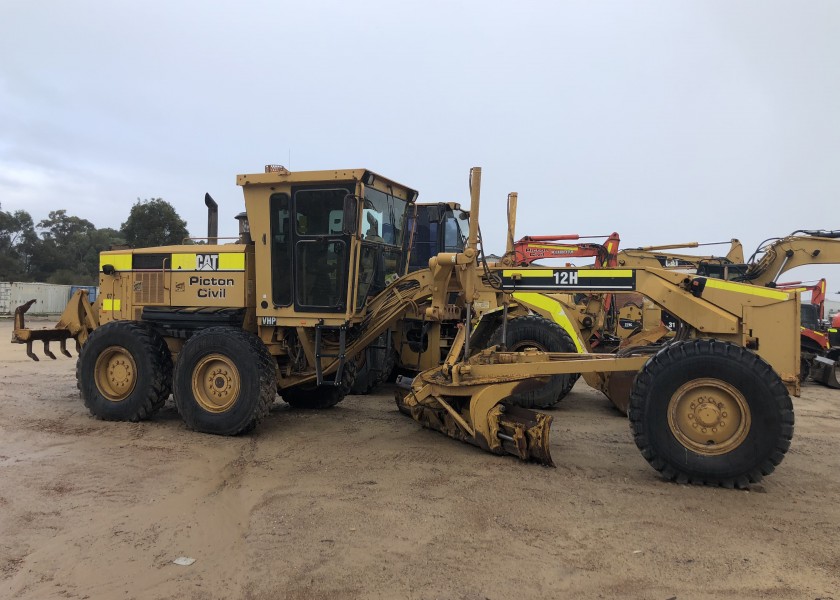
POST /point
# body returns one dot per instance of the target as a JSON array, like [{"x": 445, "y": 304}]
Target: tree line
[{"x": 65, "y": 249}]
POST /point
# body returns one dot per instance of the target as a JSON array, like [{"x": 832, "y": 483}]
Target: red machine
[
  {"x": 818, "y": 358},
  {"x": 536, "y": 247},
  {"x": 817, "y": 293},
  {"x": 812, "y": 314}
]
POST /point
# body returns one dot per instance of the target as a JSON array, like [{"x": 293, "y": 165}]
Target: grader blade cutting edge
[{"x": 482, "y": 419}]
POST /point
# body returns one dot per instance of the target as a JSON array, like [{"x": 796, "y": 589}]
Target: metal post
[
  {"x": 467, "y": 331},
  {"x": 504, "y": 324}
]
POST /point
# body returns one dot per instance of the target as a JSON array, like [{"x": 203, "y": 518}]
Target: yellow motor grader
[
  {"x": 310, "y": 286},
  {"x": 772, "y": 258},
  {"x": 622, "y": 319},
  {"x": 305, "y": 297}
]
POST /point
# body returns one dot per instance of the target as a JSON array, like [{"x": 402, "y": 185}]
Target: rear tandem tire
[
  {"x": 533, "y": 331},
  {"x": 711, "y": 412},
  {"x": 378, "y": 365},
  {"x": 310, "y": 396},
  {"x": 124, "y": 371},
  {"x": 224, "y": 381}
]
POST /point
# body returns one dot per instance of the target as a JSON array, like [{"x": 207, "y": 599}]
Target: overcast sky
[{"x": 666, "y": 121}]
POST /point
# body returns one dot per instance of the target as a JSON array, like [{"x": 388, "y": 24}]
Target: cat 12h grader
[
  {"x": 311, "y": 284},
  {"x": 625, "y": 316}
]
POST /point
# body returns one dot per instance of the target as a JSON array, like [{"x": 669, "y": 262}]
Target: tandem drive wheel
[
  {"x": 224, "y": 381},
  {"x": 706, "y": 411},
  {"x": 124, "y": 372}
]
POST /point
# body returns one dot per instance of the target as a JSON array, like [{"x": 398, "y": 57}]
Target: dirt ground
[{"x": 360, "y": 502}]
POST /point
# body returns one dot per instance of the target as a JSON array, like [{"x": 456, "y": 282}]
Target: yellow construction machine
[
  {"x": 312, "y": 277},
  {"x": 624, "y": 318},
  {"x": 311, "y": 284}
]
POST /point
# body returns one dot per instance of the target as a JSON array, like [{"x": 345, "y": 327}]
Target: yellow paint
[
  {"x": 555, "y": 309},
  {"x": 605, "y": 273},
  {"x": 121, "y": 262},
  {"x": 750, "y": 290},
  {"x": 110, "y": 304},
  {"x": 232, "y": 261},
  {"x": 183, "y": 262}
]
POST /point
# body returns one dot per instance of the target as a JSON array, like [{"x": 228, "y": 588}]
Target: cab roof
[{"x": 280, "y": 175}]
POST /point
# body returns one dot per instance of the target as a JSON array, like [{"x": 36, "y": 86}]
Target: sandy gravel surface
[{"x": 360, "y": 502}]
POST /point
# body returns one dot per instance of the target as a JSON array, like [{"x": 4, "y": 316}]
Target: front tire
[
  {"x": 379, "y": 362},
  {"x": 538, "y": 333},
  {"x": 711, "y": 412},
  {"x": 124, "y": 372},
  {"x": 224, "y": 381}
]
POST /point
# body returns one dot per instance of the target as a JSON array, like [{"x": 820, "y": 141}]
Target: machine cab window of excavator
[
  {"x": 722, "y": 270},
  {"x": 809, "y": 316}
]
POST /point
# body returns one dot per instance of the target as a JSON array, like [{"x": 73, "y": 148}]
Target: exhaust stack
[{"x": 212, "y": 219}]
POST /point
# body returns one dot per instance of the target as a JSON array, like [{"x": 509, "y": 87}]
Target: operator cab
[
  {"x": 333, "y": 239},
  {"x": 723, "y": 269},
  {"x": 809, "y": 317},
  {"x": 435, "y": 228}
]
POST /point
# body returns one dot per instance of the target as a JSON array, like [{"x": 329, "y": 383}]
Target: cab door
[{"x": 321, "y": 249}]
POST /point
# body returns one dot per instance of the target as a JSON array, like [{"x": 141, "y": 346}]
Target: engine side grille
[{"x": 148, "y": 288}]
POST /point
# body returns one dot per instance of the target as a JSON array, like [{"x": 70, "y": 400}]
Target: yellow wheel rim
[
  {"x": 215, "y": 383},
  {"x": 115, "y": 373},
  {"x": 709, "y": 416},
  {"x": 525, "y": 345}
]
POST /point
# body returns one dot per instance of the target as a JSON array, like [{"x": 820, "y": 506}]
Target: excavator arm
[
  {"x": 539, "y": 247},
  {"x": 778, "y": 256}
]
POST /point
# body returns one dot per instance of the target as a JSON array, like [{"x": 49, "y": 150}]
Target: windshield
[
  {"x": 383, "y": 218},
  {"x": 456, "y": 231}
]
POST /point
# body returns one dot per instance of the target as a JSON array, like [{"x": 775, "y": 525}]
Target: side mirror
[{"x": 351, "y": 209}]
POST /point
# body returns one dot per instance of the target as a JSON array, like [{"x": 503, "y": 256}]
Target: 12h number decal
[{"x": 565, "y": 277}]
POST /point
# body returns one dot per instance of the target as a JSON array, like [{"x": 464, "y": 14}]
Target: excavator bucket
[
  {"x": 482, "y": 419},
  {"x": 824, "y": 371},
  {"x": 77, "y": 320}
]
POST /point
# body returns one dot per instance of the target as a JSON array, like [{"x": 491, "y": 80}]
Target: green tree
[
  {"x": 153, "y": 222},
  {"x": 17, "y": 241},
  {"x": 68, "y": 250},
  {"x": 64, "y": 247}
]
